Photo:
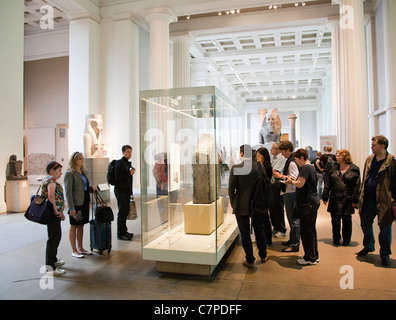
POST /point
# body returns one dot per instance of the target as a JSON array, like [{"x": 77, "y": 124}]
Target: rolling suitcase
[{"x": 100, "y": 234}]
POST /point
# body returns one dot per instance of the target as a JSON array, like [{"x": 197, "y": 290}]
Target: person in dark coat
[
  {"x": 240, "y": 190},
  {"x": 264, "y": 158},
  {"x": 342, "y": 192},
  {"x": 376, "y": 198},
  {"x": 123, "y": 191}
]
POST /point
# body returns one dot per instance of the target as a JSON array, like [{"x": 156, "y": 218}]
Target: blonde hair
[{"x": 73, "y": 159}]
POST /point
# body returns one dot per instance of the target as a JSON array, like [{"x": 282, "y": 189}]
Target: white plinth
[
  {"x": 17, "y": 195},
  {"x": 97, "y": 173}
]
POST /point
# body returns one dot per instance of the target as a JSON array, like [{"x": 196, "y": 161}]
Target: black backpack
[
  {"x": 111, "y": 172},
  {"x": 262, "y": 192}
]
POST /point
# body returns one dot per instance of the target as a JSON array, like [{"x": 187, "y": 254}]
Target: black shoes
[
  {"x": 385, "y": 261},
  {"x": 364, "y": 252},
  {"x": 126, "y": 236}
]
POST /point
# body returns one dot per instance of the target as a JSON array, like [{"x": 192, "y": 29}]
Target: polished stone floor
[{"x": 123, "y": 274}]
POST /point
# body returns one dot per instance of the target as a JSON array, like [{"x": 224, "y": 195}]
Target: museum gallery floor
[{"x": 123, "y": 274}]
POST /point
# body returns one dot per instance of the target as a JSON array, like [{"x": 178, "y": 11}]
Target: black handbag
[
  {"x": 102, "y": 211},
  {"x": 302, "y": 210},
  {"x": 40, "y": 210}
]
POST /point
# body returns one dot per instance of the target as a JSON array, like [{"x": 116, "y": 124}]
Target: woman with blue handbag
[{"x": 52, "y": 190}]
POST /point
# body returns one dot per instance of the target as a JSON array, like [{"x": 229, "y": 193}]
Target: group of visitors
[
  {"x": 295, "y": 183},
  {"x": 293, "y": 189},
  {"x": 77, "y": 192}
]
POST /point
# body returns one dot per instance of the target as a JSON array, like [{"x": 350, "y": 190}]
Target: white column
[
  {"x": 181, "y": 61},
  {"x": 338, "y": 125},
  {"x": 390, "y": 71},
  {"x": 11, "y": 86},
  {"x": 120, "y": 86},
  {"x": 371, "y": 71},
  {"x": 84, "y": 77},
  {"x": 292, "y": 120},
  {"x": 353, "y": 81},
  {"x": 159, "y": 47},
  {"x": 199, "y": 72}
]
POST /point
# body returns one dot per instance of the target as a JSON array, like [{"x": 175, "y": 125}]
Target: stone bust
[
  {"x": 271, "y": 126},
  {"x": 93, "y": 139}
]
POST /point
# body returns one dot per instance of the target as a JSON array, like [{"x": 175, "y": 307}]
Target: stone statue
[
  {"x": 14, "y": 169},
  {"x": 271, "y": 126},
  {"x": 205, "y": 186},
  {"x": 93, "y": 139}
]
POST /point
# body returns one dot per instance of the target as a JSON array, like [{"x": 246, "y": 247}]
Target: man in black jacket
[
  {"x": 123, "y": 191},
  {"x": 242, "y": 181}
]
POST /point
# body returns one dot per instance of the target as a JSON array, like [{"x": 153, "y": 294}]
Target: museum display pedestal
[
  {"x": 17, "y": 195},
  {"x": 97, "y": 174},
  {"x": 190, "y": 229},
  {"x": 184, "y": 268},
  {"x": 200, "y": 218}
]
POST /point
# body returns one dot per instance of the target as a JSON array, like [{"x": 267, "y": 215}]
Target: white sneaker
[
  {"x": 59, "y": 263},
  {"x": 304, "y": 262},
  {"x": 280, "y": 234},
  {"x": 56, "y": 272}
]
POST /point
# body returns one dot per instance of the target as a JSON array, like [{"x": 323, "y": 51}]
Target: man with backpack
[
  {"x": 242, "y": 186},
  {"x": 120, "y": 174}
]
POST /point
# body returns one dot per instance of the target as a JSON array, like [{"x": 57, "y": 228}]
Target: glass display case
[{"x": 189, "y": 139}]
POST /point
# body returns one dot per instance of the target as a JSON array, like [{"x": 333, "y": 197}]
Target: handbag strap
[
  {"x": 39, "y": 188},
  {"x": 99, "y": 199}
]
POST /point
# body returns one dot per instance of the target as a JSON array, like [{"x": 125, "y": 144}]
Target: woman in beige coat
[{"x": 77, "y": 195}]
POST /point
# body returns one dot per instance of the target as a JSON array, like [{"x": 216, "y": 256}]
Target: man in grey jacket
[
  {"x": 242, "y": 181},
  {"x": 376, "y": 197}
]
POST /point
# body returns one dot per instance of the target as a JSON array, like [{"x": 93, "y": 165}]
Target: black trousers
[
  {"x": 54, "y": 237},
  {"x": 123, "y": 211},
  {"x": 308, "y": 234},
  {"x": 346, "y": 227},
  {"x": 277, "y": 212},
  {"x": 259, "y": 231}
]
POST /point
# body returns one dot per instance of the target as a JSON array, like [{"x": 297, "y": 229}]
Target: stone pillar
[
  {"x": 84, "y": 77},
  {"x": 390, "y": 72},
  {"x": 120, "y": 86},
  {"x": 199, "y": 72},
  {"x": 181, "y": 61},
  {"x": 159, "y": 21},
  {"x": 292, "y": 119},
  {"x": 353, "y": 81},
  {"x": 338, "y": 123},
  {"x": 11, "y": 88}
]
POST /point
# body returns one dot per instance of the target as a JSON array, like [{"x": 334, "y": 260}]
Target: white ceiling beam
[
  {"x": 282, "y": 87},
  {"x": 320, "y": 76},
  {"x": 268, "y": 52},
  {"x": 271, "y": 19},
  {"x": 269, "y": 67}
]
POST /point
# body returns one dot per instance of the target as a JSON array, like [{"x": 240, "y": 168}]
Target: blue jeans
[
  {"x": 290, "y": 202},
  {"x": 367, "y": 216},
  {"x": 259, "y": 231}
]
